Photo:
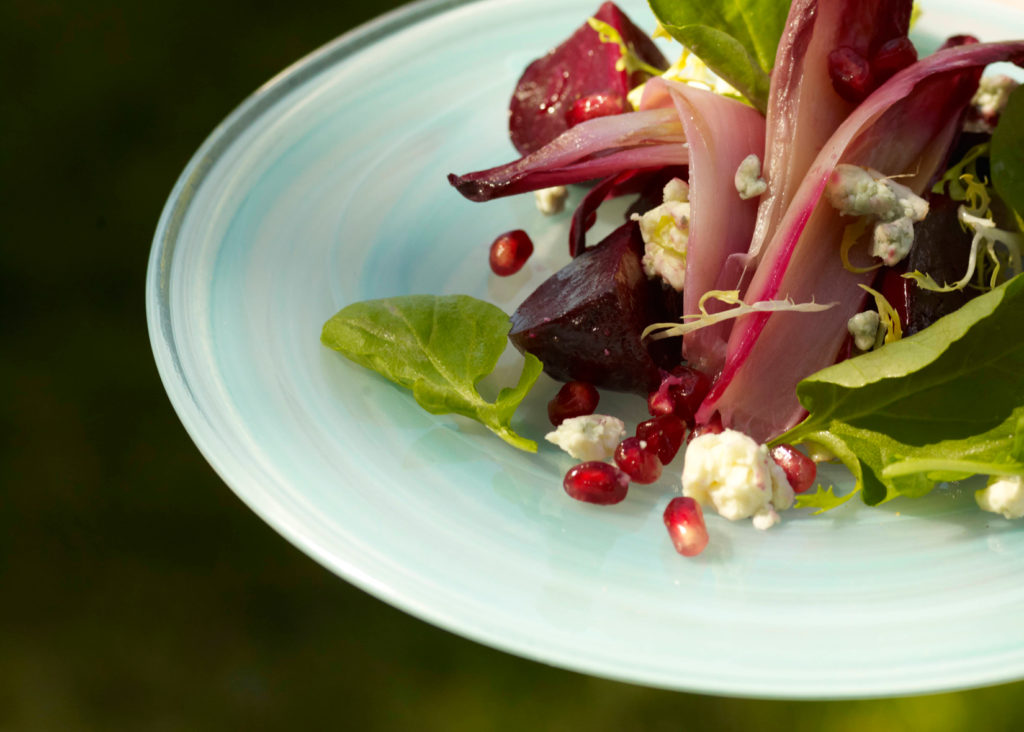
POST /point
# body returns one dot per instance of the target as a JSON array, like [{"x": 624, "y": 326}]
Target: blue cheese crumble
[
  {"x": 551, "y": 201},
  {"x": 748, "y": 180},
  {"x": 665, "y": 230},
  {"x": 864, "y": 327},
  {"x": 737, "y": 476},
  {"x": 590, "y": 437},
  {"x": 1004, "y": 494},
  {"x": 856, "y": 191}
]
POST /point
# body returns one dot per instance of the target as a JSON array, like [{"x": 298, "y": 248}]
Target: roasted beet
[
  {"x": 941, "y": 249},
  {"x": 582, "y": 66},
  {"x": 584, "y": 322}
]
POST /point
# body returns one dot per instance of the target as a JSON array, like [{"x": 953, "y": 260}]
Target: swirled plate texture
[{"x": 327, "y": 186}]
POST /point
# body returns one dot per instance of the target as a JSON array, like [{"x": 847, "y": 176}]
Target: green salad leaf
[
  {"x": 737, "y": 39},
  {"x": 824, "y": 499},
  {"x": 440, "y": 347},
  {"x": 941, "y": 405},
  {"x": 1007, "y": 152}
]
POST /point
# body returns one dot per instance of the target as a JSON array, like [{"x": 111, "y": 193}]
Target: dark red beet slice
[
  {"x": 584, "y": 322},
  {"x": 580, "y": 67},
  {"x": 941, "y": 249}
]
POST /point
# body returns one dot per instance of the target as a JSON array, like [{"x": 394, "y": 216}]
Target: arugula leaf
[
  {"x": 737, "y": 39},
  {"x": 959, "y": 377},
  {"x": 823, "y": 499},
  {"x": 439, "y": 347},
  {"x": 941, "y": 405},
  {"x": 1007, "y": 151}
]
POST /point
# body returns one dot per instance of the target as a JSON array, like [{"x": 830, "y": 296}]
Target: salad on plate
[{"x": 820, "y": 260}]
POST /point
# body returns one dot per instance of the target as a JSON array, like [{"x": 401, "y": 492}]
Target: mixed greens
[{"x": 808, "y": 102}]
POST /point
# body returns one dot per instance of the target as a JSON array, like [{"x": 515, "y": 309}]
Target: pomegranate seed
[
  {"x": 679, "y": 393},
  {"x": 954, "y": 41},
  {"x": 574, "y": 399},
  {"x": 685, "y": 523},
  {"x": 712, "y": 427},
  {"x": 596, "y": 482},
  {"x": 601, "y": 104},
  {"x": 893, "y": 56},
  {"x": 660, "y": 402},
  {"x": 800, "y": 470},
  {"x": 509, "y": 252},
  {"x": 663, "y": 434},
  {"x": 850, "y": 73},
  {"x": 636, "y": 461}
]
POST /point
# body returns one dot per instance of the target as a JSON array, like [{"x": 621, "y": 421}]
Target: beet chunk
[
  {"x": 584, "y": 322},
  {"x": 581, "y": 67},
  {"x": 941, "y": 249}
]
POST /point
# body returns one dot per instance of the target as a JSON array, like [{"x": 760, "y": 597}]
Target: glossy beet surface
[
  {"x": 584, "y": 322},
  {"x": 543, "y": 105},
  {"x": 941, "y": 249}
]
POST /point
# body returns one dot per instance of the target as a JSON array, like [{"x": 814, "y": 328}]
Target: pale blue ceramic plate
[{"x": 327, "y": 186}]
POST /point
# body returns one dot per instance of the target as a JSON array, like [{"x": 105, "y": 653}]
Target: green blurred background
[{"x": 136, "y": 592}]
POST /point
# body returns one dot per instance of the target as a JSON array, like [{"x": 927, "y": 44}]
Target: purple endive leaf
[
  {"x": 593, "y": 149},
  {"x": 721, "y": 132},
  {"x": 904, "y": 128},
  {"x": 803, "y": 106},
  {"x": 647, "y": 183}
]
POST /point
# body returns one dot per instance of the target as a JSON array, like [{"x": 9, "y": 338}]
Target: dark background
[{"x": 136, "y": 592}]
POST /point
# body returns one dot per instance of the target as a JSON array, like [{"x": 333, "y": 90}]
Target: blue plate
[{"x": 328, "y": 186}]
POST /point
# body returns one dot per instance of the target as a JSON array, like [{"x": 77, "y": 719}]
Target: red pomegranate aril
[
  {"x": 510, "y": 251},
  {"x": 574, "y": 399},
  {"x": 851, "y": 74},
  {"x": 636, "y": 461},
  {"x": 596, "y": 482},
  {"x": 679, "y": 393},
  {"x": 661, "y": 401},
  {"x": 712, "y": 427},
  {"x": 663, "y": 434},
  {"x": 600, "y": 104},
  {"x": 684, "y": 520},
  {"x": 893, "y": 56},
  {"x": 800, "y": 470}
]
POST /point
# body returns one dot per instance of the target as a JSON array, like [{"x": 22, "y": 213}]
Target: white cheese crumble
[
  {"x": 1003, "y": 494},
  {"x": 551, "y": 201},
  {"x": 989, "y": 102},
  {"x": 864, "y": 329},
  {"x": 590, "y": 437},
  {"x": 766, "y": 518},
  {"x": 893, "y": 240},
  {"x": 736, "y": 475},
  {"x": 665, "y": 230},
  {"x": 748, "y": 180},
  {"x": 856, "y": 191}
]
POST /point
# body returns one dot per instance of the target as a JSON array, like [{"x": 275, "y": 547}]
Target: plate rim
[{"x": 190, "y": 412}]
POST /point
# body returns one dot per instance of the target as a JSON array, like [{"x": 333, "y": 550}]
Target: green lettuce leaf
[
  {"x": 941, "y": 405},
  {"x": 439, "y": 347},
  {"x": 1007, "y": 152},
  {"x": 737, "y": 39}
]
